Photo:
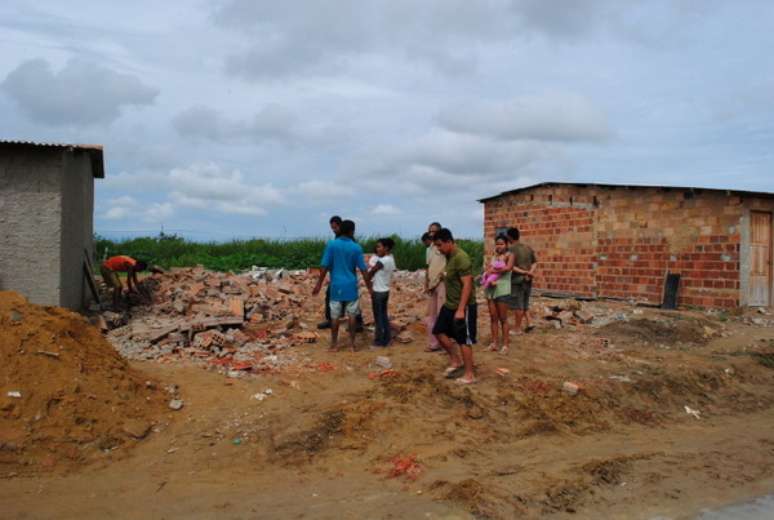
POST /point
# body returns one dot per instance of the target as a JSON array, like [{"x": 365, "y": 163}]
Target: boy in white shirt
[{"x": 380, "y": 269}]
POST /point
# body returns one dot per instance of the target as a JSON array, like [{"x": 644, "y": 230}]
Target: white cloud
[
  {"x": 158, "y": 211},
  {"x": 207, "y": 186},
  {"x": 271, "y": 123},
  {"x": 447, "y": 164},
  {"x": 124, "y": 206},
  {"x": 124, "y": 200},
  {"x": 309, "y": 38},
  {"x": 325, "y": 190},
  {"x": 547, "y": 117},
  {"x": 117, "y": 213},
  {"x": 81, "y": 93},
  {"x": 385, "y": 209}
]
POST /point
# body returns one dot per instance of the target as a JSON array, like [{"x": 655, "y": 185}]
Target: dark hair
[
  {"x": 347, "y": 228},
  {"x": 444, "y": 235},
  {"x": 503, "y": 237},
  {"x": 335, "y": 219},
  {"x": 387, "y": 242},
  {"x": 426, "y": 237},
  {"x": 513, "y": 232},
  {"x": 140, "y": 265},
  {"x": 436, "y": 224}
]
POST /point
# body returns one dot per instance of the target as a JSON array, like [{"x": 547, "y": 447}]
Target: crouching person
[{"x": 110, "y": 270}]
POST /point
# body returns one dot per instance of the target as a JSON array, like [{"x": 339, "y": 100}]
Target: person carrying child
[
  {"x": 496, "y": 281},
  {"x": 380, "y": 269}
]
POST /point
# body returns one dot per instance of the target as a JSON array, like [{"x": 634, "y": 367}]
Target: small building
[
  {"x": 622, "y": 242},
  {"x": 46, "y": 219}
]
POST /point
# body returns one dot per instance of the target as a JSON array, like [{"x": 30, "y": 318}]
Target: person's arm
[
  {"x": 367, "y": 280},
  {"x": 373, "y": 270},
  {"x": 361, "y": 266},
  {"x": 517, "y": 269},
  {"x": 325, "y": 265},
  {"x": 509, "y": 264},
  {"x": 533, "y": 267},
  {"x": 131, "y": 280},
  {"x": 427, "y": 271},
  {"x": 467, "y": 290},
  {"x": 320, "y": 280}
]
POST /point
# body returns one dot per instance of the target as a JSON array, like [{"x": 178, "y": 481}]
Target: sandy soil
[{"x": 350, "y": 441}]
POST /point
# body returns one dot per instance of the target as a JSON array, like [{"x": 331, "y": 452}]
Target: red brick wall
[{"x": 618, "y": 242}]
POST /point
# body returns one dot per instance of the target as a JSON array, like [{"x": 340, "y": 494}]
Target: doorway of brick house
[{"x": 760, "y": 259}]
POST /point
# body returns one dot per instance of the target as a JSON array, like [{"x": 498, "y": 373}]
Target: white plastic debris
[
  {"x": 570, "y": 388},
  {"x": 176, "y": 404},
  {"x": 383, "y": 361},
  {"x": 691, "y": 411},
  {"x": 260, "y": 396},
  {"x": 14, "y": 393}
]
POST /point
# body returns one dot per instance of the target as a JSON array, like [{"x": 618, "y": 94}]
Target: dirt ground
[{"x": 674, "y": 415}]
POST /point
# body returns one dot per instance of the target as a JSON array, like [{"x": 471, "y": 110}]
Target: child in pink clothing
[{"x": 489, "y": 278}]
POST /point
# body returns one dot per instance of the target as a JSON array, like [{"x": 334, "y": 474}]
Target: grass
[{"x": 237, "y": 255}]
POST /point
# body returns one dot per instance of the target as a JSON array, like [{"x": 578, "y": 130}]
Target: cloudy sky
[{"x": 239, "y": 118}]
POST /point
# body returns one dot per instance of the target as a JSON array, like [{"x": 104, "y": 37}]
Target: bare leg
[
  {"x": 527, "y": 321},
  {"x": 467, "y": 358},
  {"x": 352, "y": 329},
  {"x": 432, "y": 314},
  {"x": 502, "y": 313},
  {"x": 518, "y": 315},
  {"x": 494, "y": 322},
  {"x": 334, "y": 336},
  {"x": 435, "y": 302},
  {"x": 450, "y": 347}
]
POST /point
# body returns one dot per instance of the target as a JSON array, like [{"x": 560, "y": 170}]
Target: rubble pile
[{"x": 239, "y": 322}]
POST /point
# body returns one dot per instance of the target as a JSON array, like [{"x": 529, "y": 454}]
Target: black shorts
[{"x": 461, "y": 331}]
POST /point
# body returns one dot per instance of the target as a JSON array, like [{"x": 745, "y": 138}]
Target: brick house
[
  {"x": 616, "y": 241},
  {"x": 46, "y": 219}
]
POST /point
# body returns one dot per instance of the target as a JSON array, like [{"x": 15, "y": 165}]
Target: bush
[{"x": 173, "y": 251}]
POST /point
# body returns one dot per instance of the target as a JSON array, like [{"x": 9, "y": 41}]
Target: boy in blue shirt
[{"x": 342, "y": 257}]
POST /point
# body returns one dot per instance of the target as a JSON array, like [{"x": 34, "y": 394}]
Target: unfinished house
[
  {"x": 46, "y": 219},
  {"x": 708, "y": 247}
]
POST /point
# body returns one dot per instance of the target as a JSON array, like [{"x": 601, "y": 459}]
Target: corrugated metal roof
[
  {"x": 629, "y": 186},
  {"x": 95, "y": 152}
]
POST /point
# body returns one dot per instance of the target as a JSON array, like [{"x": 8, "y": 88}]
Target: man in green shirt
[
  {"x": 524, "y": 265},
  {"x": 453, "y": 323}
]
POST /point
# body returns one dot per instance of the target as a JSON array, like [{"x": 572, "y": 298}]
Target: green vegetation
[{"x": 173, "y": 251}]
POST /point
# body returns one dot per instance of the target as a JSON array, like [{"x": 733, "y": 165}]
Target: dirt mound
[
  {"x": 65, "y": 393},
  {"x": 666, "y": 331}
]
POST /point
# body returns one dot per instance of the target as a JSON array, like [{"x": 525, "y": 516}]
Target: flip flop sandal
[
  {"x": 454, "y": 373},
  {"x": 461, "y": 381}
]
